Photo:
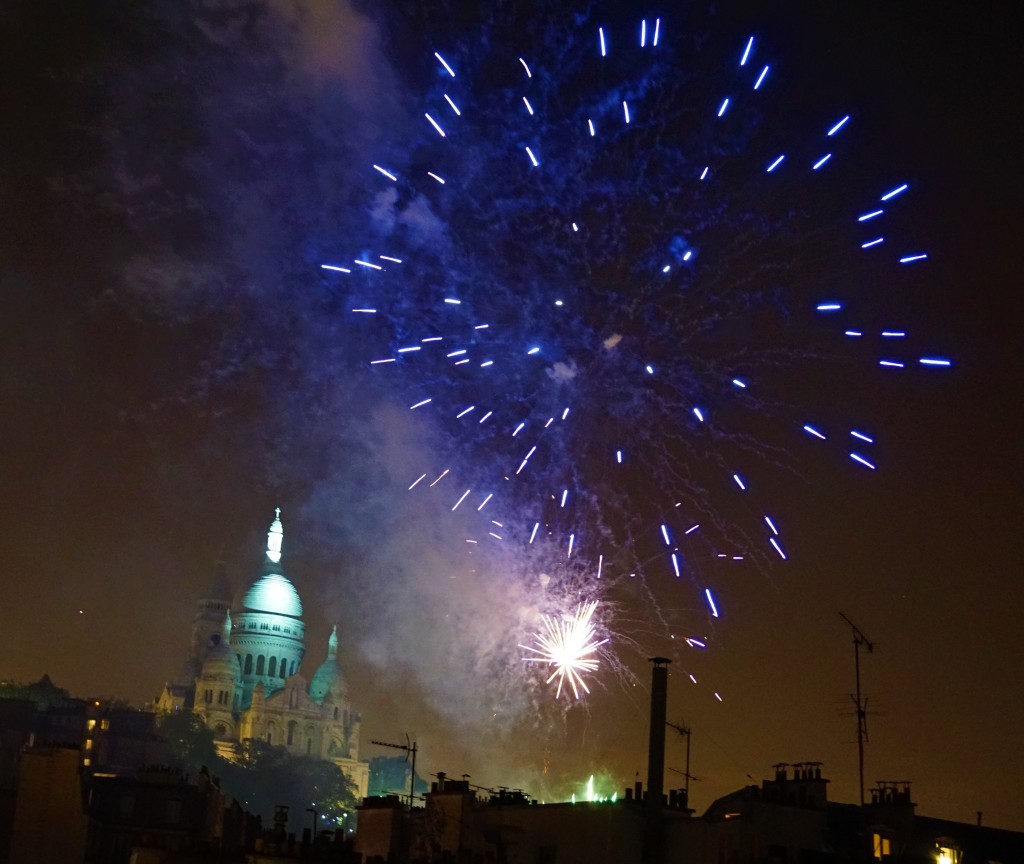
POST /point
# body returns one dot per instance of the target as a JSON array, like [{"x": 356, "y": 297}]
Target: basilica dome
[
  {"x": 272, "y": 593},
  {"x": 268, "y": 633}
]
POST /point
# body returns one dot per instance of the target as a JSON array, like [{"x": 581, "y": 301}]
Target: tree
[
  {"x": 261, "y": 776},
  {"x": 264, "y": 776},
  {"x": 189, "y": 742}
]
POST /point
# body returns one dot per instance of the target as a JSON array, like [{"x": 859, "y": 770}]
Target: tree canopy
[{"x": 262, "y": 776}]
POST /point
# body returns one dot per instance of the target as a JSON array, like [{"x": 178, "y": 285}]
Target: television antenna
[
  {"x": 410, "y": 750},
  {"x": 861, "y": 704},
  {"x": 684, "y": 730}
]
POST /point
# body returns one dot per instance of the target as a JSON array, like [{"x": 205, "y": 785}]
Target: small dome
[
  {"x": 328, "y": 678},
  {"x": 221, "y": 660},
  {"x": 272, "y": 593}
]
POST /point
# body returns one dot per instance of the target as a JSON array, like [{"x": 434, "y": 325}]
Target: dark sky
[{"x": 170, "y": 372}]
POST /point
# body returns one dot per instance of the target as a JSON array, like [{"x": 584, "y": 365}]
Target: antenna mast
[
  {"x": 410, "y": 750},
  {"x": 859, "y": 639},
  {"x": 685, "y": 730}
]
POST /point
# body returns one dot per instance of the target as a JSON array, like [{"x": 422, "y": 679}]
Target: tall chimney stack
[{"x": 656, "y": 747}]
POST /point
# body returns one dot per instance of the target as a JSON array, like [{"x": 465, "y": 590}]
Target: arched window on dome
[
  {"x": 272, "y": 670},
  {"x": 260, "y": 663},
  {"x": 248, "y": 664},
  {"x": 293, "y": 668},
  {"x": 335, "y": 712},
  {"x": 291, "y": 733},
  {"x": 284, "y": 667}
]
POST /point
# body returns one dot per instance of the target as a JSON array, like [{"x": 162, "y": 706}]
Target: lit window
[
  {"x": 104, "y": 725},
  {"x": 87, "y": 761},
  {"x": 882, "y": 846},
  {"x": 88, "y": 744},
  {"x": 947, "y": 855},
  {"x": 90, "y": 725}
]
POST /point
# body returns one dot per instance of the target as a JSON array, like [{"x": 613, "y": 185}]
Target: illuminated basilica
[{"x": 244, "y": 675}]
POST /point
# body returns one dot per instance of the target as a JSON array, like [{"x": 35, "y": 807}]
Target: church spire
[{"x": 274, "y": 537}]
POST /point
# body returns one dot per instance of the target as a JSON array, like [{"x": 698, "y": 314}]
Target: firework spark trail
[{"x": 598, "y": 273}]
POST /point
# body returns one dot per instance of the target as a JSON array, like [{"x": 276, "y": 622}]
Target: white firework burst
[{"x": 568, "y": 645}]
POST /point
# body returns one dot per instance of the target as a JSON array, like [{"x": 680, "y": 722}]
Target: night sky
[{"x": 174, "y": 367}]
